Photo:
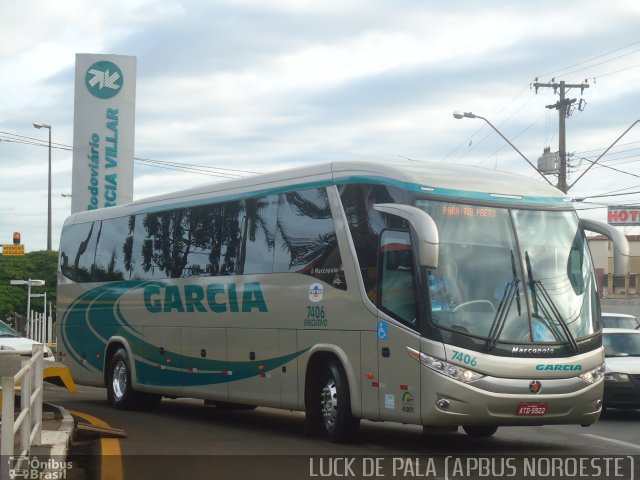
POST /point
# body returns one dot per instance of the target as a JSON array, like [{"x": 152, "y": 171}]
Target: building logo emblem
[{"x": 104, "y": 79}]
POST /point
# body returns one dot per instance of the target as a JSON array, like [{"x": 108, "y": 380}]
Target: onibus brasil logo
[{"x": 104, "y": 79}]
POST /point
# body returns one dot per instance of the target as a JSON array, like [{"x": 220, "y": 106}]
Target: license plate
[{"x": 532, "y": 409}]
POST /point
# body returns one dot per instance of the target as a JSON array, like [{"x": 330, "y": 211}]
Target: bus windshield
[{"x": 511, "y": 275}]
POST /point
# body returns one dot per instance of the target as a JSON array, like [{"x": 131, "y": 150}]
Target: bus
[{"x": 439, "y": 295}]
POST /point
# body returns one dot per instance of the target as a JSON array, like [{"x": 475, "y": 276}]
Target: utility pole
[{"x": 563, "y": 106}]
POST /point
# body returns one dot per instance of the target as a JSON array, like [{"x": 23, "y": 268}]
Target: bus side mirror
[
  {"x": 620, "y": 243},
  {"x": 425, "y": 227}
]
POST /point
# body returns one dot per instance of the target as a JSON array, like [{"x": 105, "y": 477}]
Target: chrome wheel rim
[
  {"x": 119, "y": 382},
  {"x": 329, "y": 404}
]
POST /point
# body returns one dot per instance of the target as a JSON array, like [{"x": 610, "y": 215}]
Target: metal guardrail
[{"x": 14, "y": 369}]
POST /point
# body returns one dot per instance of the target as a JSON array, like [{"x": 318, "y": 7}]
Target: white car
[
  {"x": 12, "y": 340},
  {"x": 620, "y": 320},
  {"x": 622, "y": 367}
]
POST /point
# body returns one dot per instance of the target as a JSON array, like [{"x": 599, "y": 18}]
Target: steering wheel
[{"x": 488, "y": 306}]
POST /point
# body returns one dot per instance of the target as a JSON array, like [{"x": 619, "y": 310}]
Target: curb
[{"x": 55, "y": 443}]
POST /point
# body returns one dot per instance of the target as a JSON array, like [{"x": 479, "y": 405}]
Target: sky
[{"x": 238, "y": 87}]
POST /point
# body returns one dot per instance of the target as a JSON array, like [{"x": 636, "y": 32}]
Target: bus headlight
[
  {"x": 445, "y": 368},
  {"x": 594, "y": 375}
]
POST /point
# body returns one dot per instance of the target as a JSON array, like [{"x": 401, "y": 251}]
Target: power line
[
  {"x": 604, "y": 165},
  {"x": 601, "y": 63},
  {"x": 223, "y": 172},
  {"x": 597, "y": 150},
  {"x": 589, "y": 60}
]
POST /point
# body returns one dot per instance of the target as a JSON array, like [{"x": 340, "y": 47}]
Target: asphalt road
[{"x": 185, "y": 439}]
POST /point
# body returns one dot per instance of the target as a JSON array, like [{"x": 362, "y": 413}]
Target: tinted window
[
  {"x": 77, "y": 251},
  {"x": 306, "y": 239},
  {"x": 110, "y": 252},
  {"x": 231, "y": 238},
  {"x": 260, "y": 232},
  {"x": 132, "y": 248},
  {"x": 231, "y": 241},
  {"x": 157, "y": 246},
  {"x": 397, "y": 287},
  {"x": 200, "y": 233},
  {"x": 366, "y": 223}
]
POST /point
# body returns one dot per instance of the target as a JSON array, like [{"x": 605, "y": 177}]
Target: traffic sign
[{"x": 13, "y": 250}]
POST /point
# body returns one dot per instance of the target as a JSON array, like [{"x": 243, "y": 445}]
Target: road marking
[
  {"x": 612, "y": 440},
  {"x": 111, "y": 459}
]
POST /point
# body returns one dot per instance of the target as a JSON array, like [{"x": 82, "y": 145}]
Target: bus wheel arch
[
  {"x": 113, "y": 346},
  {"x": 119, "y": 376},
  {"x": 328, "y": 400}
]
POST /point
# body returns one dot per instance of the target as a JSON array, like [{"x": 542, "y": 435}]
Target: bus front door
[{"x": 399, "y": 373}]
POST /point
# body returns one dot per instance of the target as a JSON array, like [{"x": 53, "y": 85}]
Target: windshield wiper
[
  {"x": 547, "y": 298},
  {"x": 511, "y": 291},
  {"x": 8, "y": 335}
]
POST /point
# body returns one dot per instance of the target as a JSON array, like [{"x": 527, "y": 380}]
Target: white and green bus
[{"x": 418, "y": 293}]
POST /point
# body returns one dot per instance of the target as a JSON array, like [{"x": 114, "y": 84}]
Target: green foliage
[{"x": 40, "y": 265}]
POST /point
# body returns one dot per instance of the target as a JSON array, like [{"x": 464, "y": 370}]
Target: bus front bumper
[{"x": 498, "y": 401}]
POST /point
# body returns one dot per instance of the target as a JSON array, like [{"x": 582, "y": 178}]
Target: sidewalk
[{"x": 49, "y": 458}]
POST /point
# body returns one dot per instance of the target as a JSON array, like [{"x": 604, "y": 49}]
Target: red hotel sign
[{"x": 623, "y": 216}]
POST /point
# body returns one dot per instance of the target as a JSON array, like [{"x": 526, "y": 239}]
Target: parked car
[
  {"x": 620, "y": 320},
  {"x": 622, "y": 368},
  {"x": 12, "y": 340}
]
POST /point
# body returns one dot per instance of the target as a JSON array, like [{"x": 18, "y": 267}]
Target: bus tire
[
  {"x": 481, "y": 430},
  {"x": 338, "y": 423},
  {"x": 120, "y": 392}
]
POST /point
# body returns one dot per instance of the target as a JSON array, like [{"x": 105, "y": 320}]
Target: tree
[{"x": 41, "y": 265}]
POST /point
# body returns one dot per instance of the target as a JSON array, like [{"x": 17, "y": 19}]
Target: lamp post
[
  {"x": 457, "y": 114},
  {"x": 29, "y": 283},
  {"x": 48, "y": 127}
]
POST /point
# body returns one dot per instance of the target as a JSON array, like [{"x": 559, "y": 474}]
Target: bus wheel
[
  {"x": 481, "y": 431},
  {"x": 338, "y": 423},
  {"x": 120, "y": 393}
]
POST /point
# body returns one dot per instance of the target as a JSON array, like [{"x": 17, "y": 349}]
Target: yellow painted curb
[
  {"x": 61, "y": 372},
  {"x": 111, "y": 459}
]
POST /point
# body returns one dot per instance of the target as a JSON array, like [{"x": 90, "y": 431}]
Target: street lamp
[
  {"x": 458, "y": 114},
  {"x": 29, "y": 283},
  {"x": 43, "y": 125}
]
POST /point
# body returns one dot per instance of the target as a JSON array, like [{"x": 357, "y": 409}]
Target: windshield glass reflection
[{"x": 539, "y": 289}]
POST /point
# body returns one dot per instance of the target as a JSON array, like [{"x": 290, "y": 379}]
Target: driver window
[{"x": 397, "y": 287}]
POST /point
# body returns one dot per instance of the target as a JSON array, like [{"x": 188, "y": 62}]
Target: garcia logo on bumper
[{"x": 558, "y": 367}]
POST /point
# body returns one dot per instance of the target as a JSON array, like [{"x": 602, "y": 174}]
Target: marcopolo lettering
[
  {"x": 215, "y": 297},
  {"x": 532, "y": 351},
  {"x": 559, "y": 367}
]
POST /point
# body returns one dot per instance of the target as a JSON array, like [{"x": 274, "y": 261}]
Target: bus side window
[
  {"x": 397, "y": 295},
  {"x": 109, "y": 264},
  {"x": 306, "y": 240},
  {"x": 78, "y": 248}
]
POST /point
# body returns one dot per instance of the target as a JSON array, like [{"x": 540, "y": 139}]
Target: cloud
[{"x": 266, "y": 85}]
